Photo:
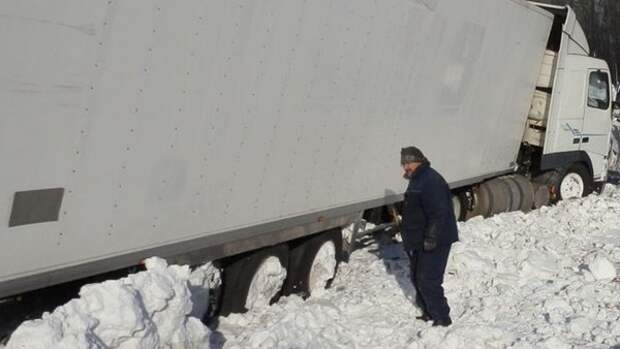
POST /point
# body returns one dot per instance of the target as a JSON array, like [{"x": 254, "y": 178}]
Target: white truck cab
[
  {"x": 570, "y": 119},
  {"x": 581, "y": 119}
]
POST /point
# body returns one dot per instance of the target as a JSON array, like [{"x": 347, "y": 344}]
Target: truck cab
[
  {"x": 570, "y": 118},
  {"x": 582, "y": 119}
]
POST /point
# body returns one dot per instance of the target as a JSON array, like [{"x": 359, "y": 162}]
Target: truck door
[{"x": 597, "y": 121}]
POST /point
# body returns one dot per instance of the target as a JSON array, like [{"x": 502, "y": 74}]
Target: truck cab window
[{"x": 598, "y": 91}]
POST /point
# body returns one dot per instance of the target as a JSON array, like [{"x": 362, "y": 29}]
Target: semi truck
[{"x": 250, "y": 133}]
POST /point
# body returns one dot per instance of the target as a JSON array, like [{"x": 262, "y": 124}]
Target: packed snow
[
  {"x": 547, "y": 279},
  {"x": 151, "y": 309},
  {"x": 323, "y": 268},
  {"x": 269, "y": 279}
]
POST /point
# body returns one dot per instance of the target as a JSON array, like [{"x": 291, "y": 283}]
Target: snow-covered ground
[{"x": 547, "y": 279}]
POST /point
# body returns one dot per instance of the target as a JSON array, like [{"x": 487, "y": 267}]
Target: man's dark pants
[{"x": 427, "y": 270}]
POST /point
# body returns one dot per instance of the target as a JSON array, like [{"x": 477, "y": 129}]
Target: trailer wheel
[
  {"x": 482, "y": 202},
  {"x": 575, "y": 183},
  {"x": 314, "y": 263},
  {"x": 254, "y": 280},
  {"x": 516, "y": 196},
  {"x": 527, "y": 193},
  {"x": 500, "y": 196}
]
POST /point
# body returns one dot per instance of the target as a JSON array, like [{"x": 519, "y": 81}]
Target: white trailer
[{"x": 199, "y": 130}]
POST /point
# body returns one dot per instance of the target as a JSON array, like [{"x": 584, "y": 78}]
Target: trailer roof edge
[{"x": 539, "y": 7}]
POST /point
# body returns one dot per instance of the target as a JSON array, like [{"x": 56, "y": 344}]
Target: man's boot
[
  {"x": 443, "y": 322},
  {"x": 424, "y": 317}
]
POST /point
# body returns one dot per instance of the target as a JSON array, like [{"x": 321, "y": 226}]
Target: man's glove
[
  {"x": 430, "y": 238},
  {"x": 429, "y": 244}
]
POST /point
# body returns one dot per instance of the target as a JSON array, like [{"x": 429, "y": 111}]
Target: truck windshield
[{"x": 598, "y": 92}]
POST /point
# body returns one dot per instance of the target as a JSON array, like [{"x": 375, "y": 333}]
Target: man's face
[{"x": 409, "y": 168}]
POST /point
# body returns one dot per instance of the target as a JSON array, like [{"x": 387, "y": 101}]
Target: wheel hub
[{"x": 572, "y": 186}]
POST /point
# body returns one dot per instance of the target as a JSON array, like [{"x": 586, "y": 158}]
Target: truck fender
[{"x": 564, "y": 160}]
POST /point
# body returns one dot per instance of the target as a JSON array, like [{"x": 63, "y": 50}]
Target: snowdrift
[{"x": 151, "y": 309}]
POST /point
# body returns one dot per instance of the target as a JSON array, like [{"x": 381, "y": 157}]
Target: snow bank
[
  {"x": 548, "y": 276},
  {"x": 150, "y": 309},
  {"x": 542, "y": 280}
]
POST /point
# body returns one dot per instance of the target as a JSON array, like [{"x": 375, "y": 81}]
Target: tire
[
  {"x": 302, "y": 257},
  {"x": 580, "y": 173},
  {"x": 527, "y": 193},
  {"x": 516, "y": 195},
  {"x": 557, "y": 180},
  {"x": 542, "y": 197},
  {"x": 500, "y": 196},
  {"x": 482, "y": 202},
  {"x": 239, "y": 273}
]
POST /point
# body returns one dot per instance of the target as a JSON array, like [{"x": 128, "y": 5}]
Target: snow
[
  {"x": 547, "y": 279},
  {"x": 601, "y": 268},
  {"x": 150, "y": 309},
  {"x": 266, "y": 283},
  {"x": 323, "y": 268},
  {"x": 514, "y": 280}
]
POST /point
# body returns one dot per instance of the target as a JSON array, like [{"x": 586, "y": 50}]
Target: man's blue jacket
[{"x": 427, "y": 210}]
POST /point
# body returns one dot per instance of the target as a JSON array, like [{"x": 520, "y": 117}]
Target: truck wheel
[
  {"x": 575, "y": 183},
  {"x": 545, "y": 188},
  {"x": 500, "y": 196},
  {"x": 527, "y": 193},
  {"x": 313, "y": 263},
  {"x": 542, "y": 197},
  {"x": 254, "y": 280},
  {"x": 482, "y": 202},
  {"x": 516, "y": 196}
]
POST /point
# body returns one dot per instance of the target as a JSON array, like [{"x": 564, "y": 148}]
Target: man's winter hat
[{"x": 411, "y": 154}]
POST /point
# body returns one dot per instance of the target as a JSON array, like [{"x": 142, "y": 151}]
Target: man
[{"x": 428, "y": 230}]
